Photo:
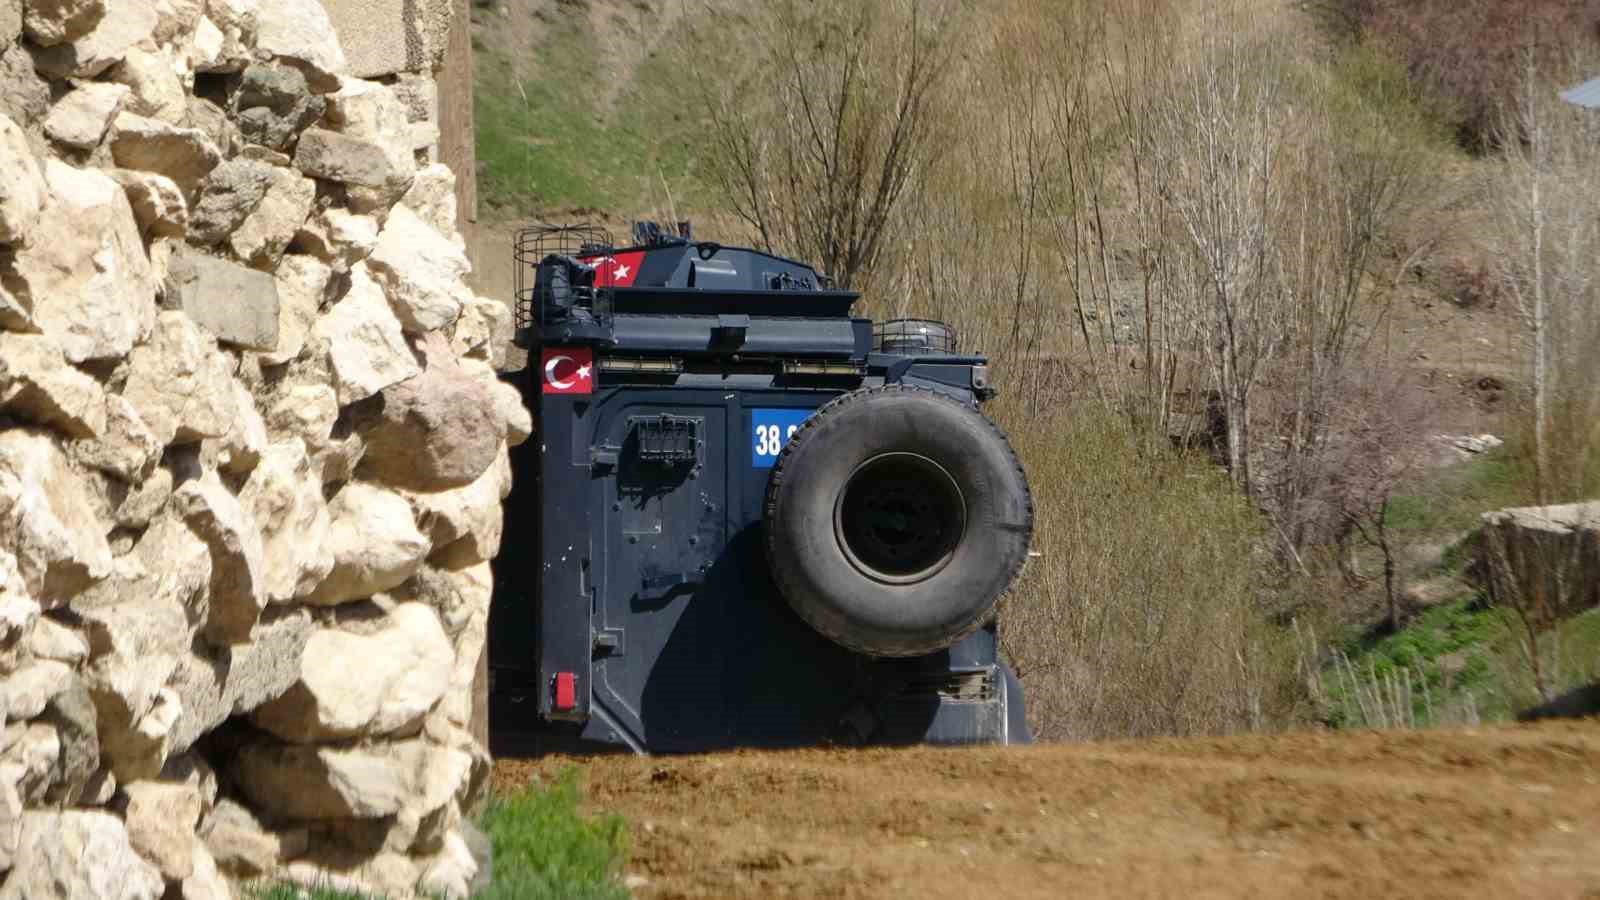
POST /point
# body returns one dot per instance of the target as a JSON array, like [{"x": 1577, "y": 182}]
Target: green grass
[
  {"x": 1459, "y": 661},
  {"x": 1450, "y": 654},
  {"x": 294, "y": 892},
  {"x": 559, "y": 140},
  {"x": 1464, "y": 664},
  {"x": 1452, "y": 500},
  {"x": 545, "y": 848}
]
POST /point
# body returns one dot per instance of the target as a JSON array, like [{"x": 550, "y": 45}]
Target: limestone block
[
  {"x": 228, "y": 194},
  {"x": 363, "y": 341},
  {"x": 360, "y": 163},
  {"x": 28, "y": 689},
  {"x": 80, "y": 118},
  {"x": 84, "y": 274},
  {"x": 176, "y": 18},
  {"x": 125, "y": 448},
  {"x": 186, "y": 155},
  {"x": 206, "y": 47},
  {"x": 464, "y": 524},
  {"x": 216, "y": 684},
  {"x": 235, "y": 21},
  {"x": 72, "y": 713},
  {"x": 432, "y": 198},
  {"x": 179, "y": 383},
  {"x": 79, "y": 855},
  {"x": 33, "y": 748},
  {"x": 299, "y": 31},
  {"x": 361, "y": 781},
  {"x": 122, "y": 26},
  {"x": 205, "y": 881},
  {"x": 303, "y": 411},
  {"x": 435, "y": 431},
  {"x": 11, "y": 811},
  {"x": 37, "y": 385},
  {"x": 238, "y": 589},
  {"x": 364, "y": 684},
  {"x": 145, "y": 498},
  {"x": 302, "y": 286},
  {"x": 456, "y": 595},
  {"x": 192, "y": 771},
  {"x": 158, "y": 204},
  {"x": 474, "y": 329},
  {"x": 23, "y": 190},
  {"x": 24, "y": 95},
  {"x": 375, "y": 544},
  {"x": 155, "y": 79},
  {"x": 284, "y": 497},
  {"x": 10, "y": 24},
  {"x": 368, "y": 29},
  {"x": 237, "y": 304},
  {"x": 50, "y": 640},
  {"x": 422, "y": 272},
  {"x": 212, "y": 121},
  {"x": 49, "y": 22},
  {"x": 242, "y": 846},
  {"x": 162, "y": 818},
  {"x": 266, "y": 232},
  {"x": 274, "y": 104},
  {"x": 337, "y": 235},
  {"x": 454, "y": 871},
  {"x": 48, "y": 519},
  {"x": 240, "y": 449}
]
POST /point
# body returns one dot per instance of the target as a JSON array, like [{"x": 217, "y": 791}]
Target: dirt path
[{"x": 1495, "y": 812}]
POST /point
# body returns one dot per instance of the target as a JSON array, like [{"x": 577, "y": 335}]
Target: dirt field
[{"x": 1495, "y": 812}]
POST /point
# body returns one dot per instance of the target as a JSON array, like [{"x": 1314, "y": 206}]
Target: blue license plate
[{"x": 770, "y": 429}]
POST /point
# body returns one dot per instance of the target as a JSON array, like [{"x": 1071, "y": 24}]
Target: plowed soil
[{"x": 1495, "y": 812}]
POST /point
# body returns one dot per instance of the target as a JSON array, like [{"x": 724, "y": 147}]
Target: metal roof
[{"x": 1586, "y": 95}]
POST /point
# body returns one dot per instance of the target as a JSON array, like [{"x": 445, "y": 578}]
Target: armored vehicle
[{"x": 745, "y": 518}]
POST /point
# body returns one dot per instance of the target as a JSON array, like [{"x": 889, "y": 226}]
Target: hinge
[{"x": 603, "y": 457}]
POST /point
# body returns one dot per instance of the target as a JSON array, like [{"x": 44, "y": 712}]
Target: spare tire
[{"x": 896, "y": 518}]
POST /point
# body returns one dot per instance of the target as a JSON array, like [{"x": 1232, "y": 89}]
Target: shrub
[
  {"x": 1470, "y": 52},
  {"x": 1143, "y": 614}
]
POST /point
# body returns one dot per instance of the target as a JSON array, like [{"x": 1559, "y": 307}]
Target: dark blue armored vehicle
[{"x": 745, "y": 518}]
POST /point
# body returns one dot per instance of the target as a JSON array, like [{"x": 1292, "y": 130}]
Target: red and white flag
[
  {"x": 568, "y": 370},
  {"x": 617, "y": 270}
]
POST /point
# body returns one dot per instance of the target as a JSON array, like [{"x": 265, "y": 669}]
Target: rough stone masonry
[{"x": 252, "y": 453}]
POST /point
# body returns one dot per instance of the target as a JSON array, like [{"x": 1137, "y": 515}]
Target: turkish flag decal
[
  {"x": 568, "y": 370},
  {"x": 615, "y": 271}
]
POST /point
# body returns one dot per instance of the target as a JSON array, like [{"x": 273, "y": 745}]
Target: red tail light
[{"x": 566, "y": 691}]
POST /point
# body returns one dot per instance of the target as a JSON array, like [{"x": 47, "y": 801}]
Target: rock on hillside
[{"x": 1545, "y": 558}]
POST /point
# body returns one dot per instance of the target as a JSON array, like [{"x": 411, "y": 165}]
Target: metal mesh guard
[
  {"x": 530, "y": 246},
  {"x": 913, "y": 336},
  {"x": 667, "y": 439}
]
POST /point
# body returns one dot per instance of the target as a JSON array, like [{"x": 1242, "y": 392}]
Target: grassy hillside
[{"x": 586, "y": 105}]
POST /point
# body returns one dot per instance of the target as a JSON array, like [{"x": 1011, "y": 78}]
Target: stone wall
[
  {"x": 252, "y": 452},
  {"x": 423, "y": 49}
]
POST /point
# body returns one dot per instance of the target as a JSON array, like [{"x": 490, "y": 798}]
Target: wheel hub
[{"x": 899, "y": 517}]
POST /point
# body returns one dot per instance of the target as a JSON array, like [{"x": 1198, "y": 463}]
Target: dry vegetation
[
  {"x": 1235, "y": 264},
  {"x": 1177, "y": 226}
]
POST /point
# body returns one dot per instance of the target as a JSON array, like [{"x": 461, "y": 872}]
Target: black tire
[{"x": 896, "y": 518}]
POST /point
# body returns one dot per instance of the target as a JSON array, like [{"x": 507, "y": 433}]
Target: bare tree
[
  {"x": 1223, "y": 137},
  {"x": 818, "y": 140},
  {"x": 1548, "y": 214},
  {"x": 1377, "y": 441}
]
